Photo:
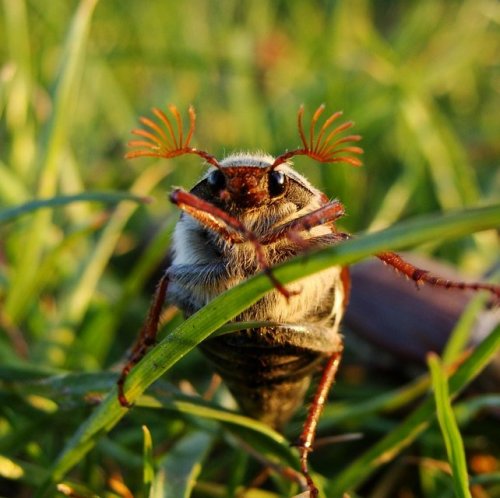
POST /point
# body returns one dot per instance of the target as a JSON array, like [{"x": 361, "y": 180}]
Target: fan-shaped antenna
[
  {"x": 160, "y": 139},
  {"x": 327, "y": 147}
]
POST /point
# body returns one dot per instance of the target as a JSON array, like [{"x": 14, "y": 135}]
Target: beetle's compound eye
[
  {"x": 216, "y": 180},
  {"x": 277, "y": 183}
]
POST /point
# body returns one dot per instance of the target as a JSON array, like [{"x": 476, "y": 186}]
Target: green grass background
[{"x": 420, "y": 79}]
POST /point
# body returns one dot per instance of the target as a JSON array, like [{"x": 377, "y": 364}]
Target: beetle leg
[
  {"x": 418, "y": 275},
  {"x": 325, "y": 214},
  {"x": 210, "y": 216},
  {"x": 306, "y": 438},
  {"x": 229, "y": 227},
  {"x": 146, "y": 339}
]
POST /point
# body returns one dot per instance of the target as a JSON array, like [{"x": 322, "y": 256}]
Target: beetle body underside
[{"x": 268, "y": 370}]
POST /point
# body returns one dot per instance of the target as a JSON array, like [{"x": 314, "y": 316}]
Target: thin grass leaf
[
  {"x": 20, "y": 86},
  {"x": 22, "y": 371},
  {"x": 12, "y": 189},
  {"x": 69, "y": 77},
  {"x": 181, "y": 466},
  {"x": 468, "y": 409},
  {"x": 105, "y": 327},
  {"x": 454, "y": 181},
  {"x": 461, "y": 333},
  {"x": 391, "y": 445},
  {"x": 490, "y": 478},
  {"x": 52, "y": 143},
  {"x": 148, "y": 467},
  {"x": 237, "y": 477},
  {"x": 226, "y": 306},
  {"x": 62, "y": 388},
  {"x": 14, "y": 212},
  {"x": 337, "y": 413},
  {"x": 449, "y": 428},
  {"x": 265, "y": 439},
  {"x": 396, "y": 199},
  {"x": 77, "y": 301}
]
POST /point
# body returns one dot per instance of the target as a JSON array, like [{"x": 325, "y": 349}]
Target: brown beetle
[{"x": 246, "y": 214}]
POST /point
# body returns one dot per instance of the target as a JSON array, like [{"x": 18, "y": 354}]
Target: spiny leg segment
[
  {"x": 146, "y": 339},
  {"x": 421, "y": 276},
  {"x": 306, "y": 439}
]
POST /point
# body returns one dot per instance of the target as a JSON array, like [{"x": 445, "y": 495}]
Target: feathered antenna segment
[
  {"x": 160, "y": 139},
  {"x": 324, "y": 148}
]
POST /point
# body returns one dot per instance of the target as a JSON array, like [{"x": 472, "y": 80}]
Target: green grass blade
[
  {"x": 467, "y": 410},
  {"x": 53, "y": 141},
  {"x": 19, "y": 88},
  {"x": 226, "y": 306},
  {"x": 388, "y": 447},
  {"x": 149, "y": 467},
  {"x": 12, "y": 189},
  {"x": 77, "y": 302},
  {"x": 454, "y": 183},
  {"x": 449, "y": 428},
  {"x": 489, "y": 478},
  {"x": 267, "y": 440},
  {"x": 14, "y": 212},
  {"x": 179, "y": 469},
  {"x": 72, "y": 64},
  {"x": 461, "y": 333},
  {"x": 337, "y": 413}
]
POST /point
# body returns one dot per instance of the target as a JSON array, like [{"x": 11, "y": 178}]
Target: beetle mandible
[{"x": 247, "y": 213}]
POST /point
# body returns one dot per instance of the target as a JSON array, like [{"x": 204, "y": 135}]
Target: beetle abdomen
[{"x": 269, "y": 377}]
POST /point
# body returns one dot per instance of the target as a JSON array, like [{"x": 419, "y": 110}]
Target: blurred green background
[{"x": 419, "y": 78}]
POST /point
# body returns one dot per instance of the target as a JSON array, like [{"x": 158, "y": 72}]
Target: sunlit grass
[{"x": 76, "y": 275}]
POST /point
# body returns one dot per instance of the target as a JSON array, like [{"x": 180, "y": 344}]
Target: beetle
[{"x": 246, "y": 214}]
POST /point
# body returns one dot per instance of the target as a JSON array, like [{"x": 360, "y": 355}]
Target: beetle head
[{"x": 246, "y": 180}]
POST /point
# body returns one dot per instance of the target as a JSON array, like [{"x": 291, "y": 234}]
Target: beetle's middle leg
[{"x": 306, "y": 438}]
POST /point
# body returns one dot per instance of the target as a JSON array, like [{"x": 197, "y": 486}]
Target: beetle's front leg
[{"x": 227, "y": 226}]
